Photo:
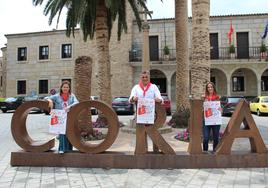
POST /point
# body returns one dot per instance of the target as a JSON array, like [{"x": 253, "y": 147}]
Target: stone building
[
  {"x": 2, "y": 76},
  {"x": 37, "y": 62}
]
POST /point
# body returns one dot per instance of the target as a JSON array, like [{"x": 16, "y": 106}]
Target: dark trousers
[
  {"x": 206, "y": 133},
  {"x": 64, "y": 144}
]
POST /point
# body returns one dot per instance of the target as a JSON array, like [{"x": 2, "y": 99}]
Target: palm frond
[{"x": 83, "y": 13}]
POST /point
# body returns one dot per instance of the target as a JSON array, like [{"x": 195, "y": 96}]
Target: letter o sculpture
[{"x": 73, "y": 133}]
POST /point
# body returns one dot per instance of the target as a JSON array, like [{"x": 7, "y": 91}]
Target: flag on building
[
  {"x": 230, "y": 33},
  {"x": 265, "y": 31}
]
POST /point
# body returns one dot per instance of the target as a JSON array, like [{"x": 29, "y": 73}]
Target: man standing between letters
[{"x": 145, "y": 89}]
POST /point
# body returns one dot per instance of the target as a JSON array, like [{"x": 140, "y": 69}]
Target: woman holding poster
[
  {"x": 63, "y": 101},
  {"x": 145, "y": 94},
  {"x": 212, "y": 110}
]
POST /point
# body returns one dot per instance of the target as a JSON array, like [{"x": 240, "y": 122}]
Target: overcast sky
[{"x": 19, "y": 16}]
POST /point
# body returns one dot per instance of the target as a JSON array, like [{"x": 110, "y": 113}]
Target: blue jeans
[
  {"x": 64, "y": 144},
  {"x": 206, "y": 133}
]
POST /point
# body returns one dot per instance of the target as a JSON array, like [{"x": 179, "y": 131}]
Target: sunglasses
[{"x": 144, "y": 76}]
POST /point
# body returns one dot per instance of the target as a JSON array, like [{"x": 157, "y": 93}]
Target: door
[
  {"x": 214, "y": 46},
  {"x": 153, "y": 45},
  {"x": 242, "y": 45},
  {"x": 160, "y": 83}
]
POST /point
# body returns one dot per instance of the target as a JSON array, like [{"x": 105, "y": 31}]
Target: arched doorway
[
  {"x": 243, "y": 82},
  {"x": 219, "y": 78},
  {"x": 159, "y": 79},
  {"x": 264, "y": 83}
]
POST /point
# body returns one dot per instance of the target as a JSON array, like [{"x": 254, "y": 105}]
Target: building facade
[
  {"x": 243, "y": 73},
  {"x": 38, "y": 62}
]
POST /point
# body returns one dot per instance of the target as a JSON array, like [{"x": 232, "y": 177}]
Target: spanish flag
[{"x": 231, "y": 31}]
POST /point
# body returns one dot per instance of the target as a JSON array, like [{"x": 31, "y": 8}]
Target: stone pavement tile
[
  {"x": 148, "y": 183},
  {"x": 87, "y": 178},
  {"x": 240, "y": 186},
  {"x": 225, "y": 186},
  {"x": 211, "y": 182},
  {"x": 161, "y": 185},
  {"x": 47, "y": 185},
  {"x": 179, "y": 182},
  {"x": 30, "y": 182},
  {"x": 106, "y": 183},
  {"x": 5, "y": 185},
  {"x": 62, "y": 186},
  {"x": 176, "y": 186},
  {"x": 62, "y": 182},
  {"x": 18, "y": 185},
  {"x": 208, "y": 186},
  {"x": 257, "y": 186},
  {"x": 225, "y": 181},
  {"x": 192, "y": 186},
  {"x": 197, "y": 182}
]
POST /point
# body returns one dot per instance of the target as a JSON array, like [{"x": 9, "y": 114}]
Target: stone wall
[{"x": 55, "y": 68}]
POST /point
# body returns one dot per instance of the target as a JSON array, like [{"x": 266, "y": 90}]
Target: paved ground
[{"x": 86, "y": 177}]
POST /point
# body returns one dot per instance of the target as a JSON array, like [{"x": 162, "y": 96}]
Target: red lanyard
[
  {"x": 146, "y": 88},
  {"x": 212, "y": 98}
]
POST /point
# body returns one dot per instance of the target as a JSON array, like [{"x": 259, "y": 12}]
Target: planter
[
  {"x": 166, "y": 57},
  {"x": 263, "y": 56}
]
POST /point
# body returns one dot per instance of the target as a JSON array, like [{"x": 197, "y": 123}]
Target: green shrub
[
  {"x": 166, "y": 50},
  {"x": 231, "y": 49},
  {"x": 263, "y": 48}
]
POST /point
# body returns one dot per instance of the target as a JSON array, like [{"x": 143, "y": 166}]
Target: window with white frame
[
  {"x": 22, "y": 54},
  {"x": 43, "y": 52},
  {"x": 66, "y": 51}
]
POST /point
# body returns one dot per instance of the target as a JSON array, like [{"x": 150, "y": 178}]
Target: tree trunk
[
  {"x": 200, "y": 65},
  {"x": 102, "y": 42},
  {"x": 82, "y": 78},
  {"x": 103, "y": 58},
  {"x": 182, "y": 53}
]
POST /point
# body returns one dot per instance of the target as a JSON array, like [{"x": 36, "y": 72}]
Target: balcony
[{"x": 222, "y": 53}]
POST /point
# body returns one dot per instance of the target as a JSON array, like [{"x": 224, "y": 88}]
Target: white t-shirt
[{"x": 152, "y": 93}]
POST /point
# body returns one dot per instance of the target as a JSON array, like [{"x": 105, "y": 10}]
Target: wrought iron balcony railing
[{"x": 221, "y": 53}]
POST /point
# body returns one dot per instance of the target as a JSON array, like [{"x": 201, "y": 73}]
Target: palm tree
[
  {"x": 95, "y": 16},
  {"x": 182, "y": 53},
  {"x": 181, "y": 116},
  {"x": 200, "y": 65}
]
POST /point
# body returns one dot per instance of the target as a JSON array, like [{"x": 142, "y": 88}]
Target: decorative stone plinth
[{"x": 147, "y": 161}]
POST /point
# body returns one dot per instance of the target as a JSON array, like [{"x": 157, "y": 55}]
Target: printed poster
[
  {"x": 212, "y": 113},
  {"x": 145, "y": 111},
  {"x": 58, "y": 120}
]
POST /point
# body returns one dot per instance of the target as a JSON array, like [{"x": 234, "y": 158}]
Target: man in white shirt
[{"x": 145, "y": 89}]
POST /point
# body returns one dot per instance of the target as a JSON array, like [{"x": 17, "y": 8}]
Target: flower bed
[
  {"x": 184, "y": 136},
  {"x": 96, "y": 135}
]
